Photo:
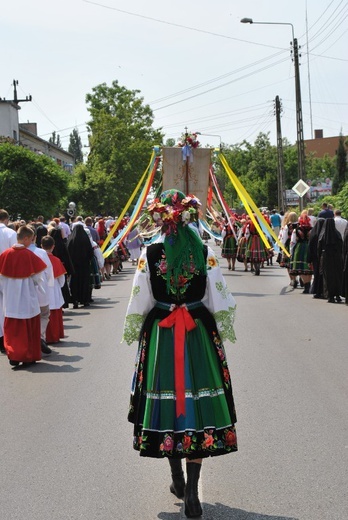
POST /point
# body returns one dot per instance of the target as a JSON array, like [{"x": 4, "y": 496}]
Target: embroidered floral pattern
[
  {"x": 223, "y": 290},
  {"x": 183, "y": 280},
  {"x": 211, "y": 441},
  {"x": 132, "y": 326},
  {"x": 135, "y": 291},
  {"x": 212, "y": 262},
  {"x": 142, "y": 265},
  {"x": 224, "y": 321}
]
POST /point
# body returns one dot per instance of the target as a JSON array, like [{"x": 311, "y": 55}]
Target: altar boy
[{"x": 20, "y": 272}]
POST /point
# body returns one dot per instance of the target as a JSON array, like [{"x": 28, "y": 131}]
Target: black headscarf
[
  {"x": 79, "y": 246},
  {"x": 329, "y": 236},
  {"x": 61, "y": 251},
  {"x": 313, "y": 239}
]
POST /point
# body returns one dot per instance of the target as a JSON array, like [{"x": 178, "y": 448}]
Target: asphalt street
[{"x": 66, "y": 446}]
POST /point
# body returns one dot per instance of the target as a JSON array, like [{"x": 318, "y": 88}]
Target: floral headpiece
[{"x": 173, "y": 208}]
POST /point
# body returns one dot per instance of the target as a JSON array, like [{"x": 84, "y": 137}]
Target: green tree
[
  {"x": 340, "y": 177},
  {"x": 55, "y": 139},
  {"x": 30, "y": 184},
  {"x": 75, "y": 146},
  {"x": 121, "y": 140}
]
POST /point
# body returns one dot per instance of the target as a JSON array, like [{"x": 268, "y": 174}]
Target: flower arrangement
[
  {"x": 170, "y": 213},
  {"x": 189, "y": 140}
]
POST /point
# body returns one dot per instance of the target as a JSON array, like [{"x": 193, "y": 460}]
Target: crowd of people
[
  {"x": 314, "y": 252},
  {"x": 44, "y": 269}
]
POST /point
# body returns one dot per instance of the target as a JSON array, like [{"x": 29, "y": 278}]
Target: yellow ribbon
[
  {"x": 124, "y": 211},
  {"x": 250, "y": 206}
]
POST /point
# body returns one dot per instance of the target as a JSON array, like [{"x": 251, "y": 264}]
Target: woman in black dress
[{"x": 81, "y": 253}]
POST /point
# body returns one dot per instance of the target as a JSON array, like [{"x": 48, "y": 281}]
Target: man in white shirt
[
  {"x": 64, "y": 227},
  {"x": 340, "y": 223},
  {"x": 8, "y": 237}
]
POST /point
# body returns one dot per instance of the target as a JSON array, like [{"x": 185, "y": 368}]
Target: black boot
[
  {"x": 177, "y": 487},
  {"x": 193, "y": 507},
  {"x": 2, "y": 348},
  {"x": 307, "y": 286}
]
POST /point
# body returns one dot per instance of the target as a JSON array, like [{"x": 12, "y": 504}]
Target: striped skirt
[{"x": 207, "y": 428}]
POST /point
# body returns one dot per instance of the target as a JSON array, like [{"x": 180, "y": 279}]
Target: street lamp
[
  {"x": 299, "y": 120},
  {"x": 211, "y": 135}
]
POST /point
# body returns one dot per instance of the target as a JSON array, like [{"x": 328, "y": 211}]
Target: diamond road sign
[{"x": 301, "y": 188}]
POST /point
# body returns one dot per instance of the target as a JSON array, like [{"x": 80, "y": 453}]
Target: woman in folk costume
[
  {"x": 299, "y": 265},
  {"x": 229, "y": 243},
  {"x": 330, "y": 250},
  {"x": 55, "y": 327},
  {"x": 314, "y": 258},
  {"x": 255, "y": 249},
  {"x": 285, "y": 233},
  {"x": 242, "y": 242},
  {"x": 180, "y": 311}
]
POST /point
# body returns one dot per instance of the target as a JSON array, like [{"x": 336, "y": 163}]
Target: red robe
[
  {"x": 55, "y": 328},
  {"x": 22, "y": 337}
]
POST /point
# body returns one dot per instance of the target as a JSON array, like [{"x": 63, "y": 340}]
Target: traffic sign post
[{"x": 301, "y": 188}]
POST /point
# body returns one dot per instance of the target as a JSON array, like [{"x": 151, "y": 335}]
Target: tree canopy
[
  {"x": 30, "y": 184},
  {"x": 75, "y": 146},
  {"x": 121, "y": 140}
]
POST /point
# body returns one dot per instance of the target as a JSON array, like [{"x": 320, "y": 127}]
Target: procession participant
[
  {"x": 314, "y": 259},
  {"x": 330, "y": 248},
  {"x": 180, "y": 311},
  {"x": 299, "y": 265},
  {"x": 255, "y": 249},
  {"x": 43, "y": 291},
  {"x": 229, "y": 243},
  {"x": 55, "y": 328},
  {"x": 81, "y": 254},
  {"x": 276, "y": 222},
  {"x": 61, "y": 251},
  {"x": 340, "y": 222},
  {"x": 290, "y": 218},
  {"x": 242, "y": 242},
  {"x": 21, "y": 271},
  {"x": 64, "y": 227},
  {"x": 134, "y": 244},
  {"x": 345, "y": 265},
  {"x": 8, "y": 237},
  {"x": 40, "y": 230}
]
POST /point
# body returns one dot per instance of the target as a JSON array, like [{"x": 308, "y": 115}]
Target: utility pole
[
  {"x": 299, "y": 120},
  {"x": 15, "y": 97},
  {"x": 280, "y": 158}
]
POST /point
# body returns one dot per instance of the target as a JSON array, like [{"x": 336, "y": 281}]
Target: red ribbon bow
[{"x": 182, "y": 321}]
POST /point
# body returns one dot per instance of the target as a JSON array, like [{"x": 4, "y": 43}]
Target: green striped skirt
[{"x": 208, "y": 426}]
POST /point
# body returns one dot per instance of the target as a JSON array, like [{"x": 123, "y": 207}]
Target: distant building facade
[
  {"x": 25, "y": 134},
  {"x": 320, "y": 145}
]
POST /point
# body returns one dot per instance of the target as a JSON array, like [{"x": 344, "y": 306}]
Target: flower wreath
[
  {"x": 170, "y": 212},
  {"x": 189, "y": 140}
]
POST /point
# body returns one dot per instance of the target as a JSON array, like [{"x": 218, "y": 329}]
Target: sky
[{"x": 194, "y": 63}]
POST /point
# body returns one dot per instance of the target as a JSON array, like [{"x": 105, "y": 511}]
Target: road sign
[{"x": 301, "y": 188}]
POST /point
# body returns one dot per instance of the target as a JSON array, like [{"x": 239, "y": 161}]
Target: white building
[{"x": 25, "y": 134}]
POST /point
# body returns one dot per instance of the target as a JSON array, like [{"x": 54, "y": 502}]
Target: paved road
[{"x": 66, "y": 447}]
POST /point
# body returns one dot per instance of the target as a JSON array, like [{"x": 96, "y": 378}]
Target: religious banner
[{"x": 188, "y": 173}]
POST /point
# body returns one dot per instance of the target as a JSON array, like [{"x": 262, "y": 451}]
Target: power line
[
  {"x": 223, "y": 85},
  {"x": 157, "y": 20}
]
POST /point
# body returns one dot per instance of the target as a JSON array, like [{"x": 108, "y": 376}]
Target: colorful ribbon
[{"x": 182, "y": 321}]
